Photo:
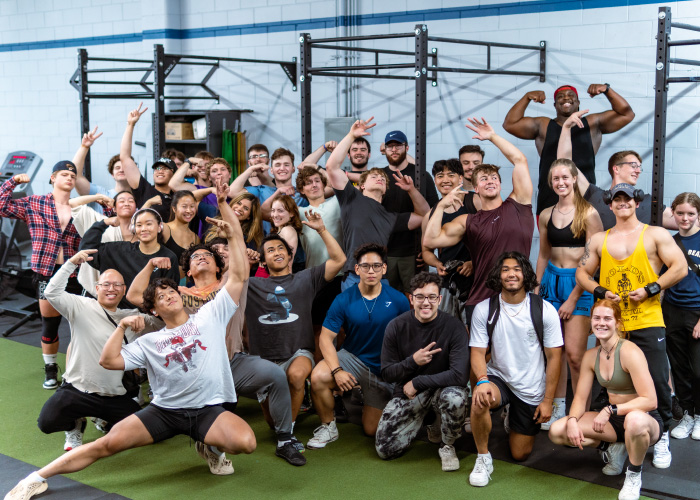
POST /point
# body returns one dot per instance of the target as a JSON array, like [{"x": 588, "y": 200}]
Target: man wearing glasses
[
  {"x": 425, "y": 354},
  {"x": 87, "y": 388},
  {"x": 363, "y": 312}
]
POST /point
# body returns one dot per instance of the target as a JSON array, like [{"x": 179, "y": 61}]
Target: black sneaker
[
  {"x": 341, "y": 413},
  {"x": 51, "y": 379},
  {"x": 676, "y": 409},
  {"x": 306, "y": 404},
  {"x": 290, "y": 454},
  {"x": 298, "y": 445}
]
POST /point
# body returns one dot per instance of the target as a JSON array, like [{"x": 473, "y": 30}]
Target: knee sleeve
[{"x": 49, "y": 329}]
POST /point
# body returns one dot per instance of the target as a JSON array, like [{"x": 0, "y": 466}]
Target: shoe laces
[
  {"x": 323, "y": 430},
  {"x": 633, "y": 480},
  {"x": 480, "y": 467}
]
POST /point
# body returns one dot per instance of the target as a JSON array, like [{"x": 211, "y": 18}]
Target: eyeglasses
[
  {"x": 108, "y": 285},
  {"x": 161, "y": 167},
  {"x": 376, "y": 266},
  {"x": 255, "y": 157},
  {"x": 394, "y": 147},
  {"x": 633, "y": 165},
  {"x": 201, "y": 256},
  {"x": 432, "y": 298}
]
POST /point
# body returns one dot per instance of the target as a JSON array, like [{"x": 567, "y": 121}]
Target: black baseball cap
[{"x": 166, "y": 162}]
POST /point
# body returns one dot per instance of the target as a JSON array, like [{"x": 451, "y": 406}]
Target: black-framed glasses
[
  {"x": 432, "y": 298},
  {"x": 108, "y": 284},
  {"x": 376, "y": 266},
  {"x": 255, "y": 157},
  {"x": 201, "y": 255},
  {"x": 393, "y": 147},
  {"x": 633, "y": 165}
]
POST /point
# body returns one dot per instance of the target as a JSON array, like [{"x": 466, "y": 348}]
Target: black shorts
[
  {"x": 520, "y": 414},
  {"x": 162, "y": 423},
  {"x": 323, "y": 300},
  {"x": 40, "y": 281},
  {"x": 618, "y": 423}
]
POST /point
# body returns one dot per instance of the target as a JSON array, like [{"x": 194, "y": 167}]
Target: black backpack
[{"x": 536, "y": 313}]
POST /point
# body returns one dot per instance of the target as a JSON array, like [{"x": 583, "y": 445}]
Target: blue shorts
[{"x": 557, "y": 284}]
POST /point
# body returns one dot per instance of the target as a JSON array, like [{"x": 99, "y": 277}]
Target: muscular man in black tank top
[{"x": 546, "y": 131}]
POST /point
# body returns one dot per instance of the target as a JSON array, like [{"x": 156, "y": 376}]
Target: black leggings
[{"x": 684, "y": 355}]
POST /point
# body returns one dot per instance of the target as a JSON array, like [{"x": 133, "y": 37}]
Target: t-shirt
[
  {"x": 263, "y": 192},
  {"x": 364, "y": 321},
  {"x": 594, "y": 196},
  {"x": 365, "y": 220},
  {"x": 188, "y": 366},
  {"x": 686, "y": 293},
  {"x": 311, "y": 241},
  {"x": 278, "y": 314},
  {"x": 516, "y": 355},
  {"x": 489, "y": 233},
  {"x": 397, "y": 200},
  {"x": 145, "y": 191}
]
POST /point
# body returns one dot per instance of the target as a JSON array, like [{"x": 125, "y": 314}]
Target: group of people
[{"x": 271, "y": 286}]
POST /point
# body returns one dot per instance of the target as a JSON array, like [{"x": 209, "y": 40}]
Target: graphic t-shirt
[{"x": 188, "y": 366}]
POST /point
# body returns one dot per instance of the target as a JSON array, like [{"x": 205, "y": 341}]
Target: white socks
[
  {"x": 34, "y": 476},
  {"x": 50, "y": 358}
]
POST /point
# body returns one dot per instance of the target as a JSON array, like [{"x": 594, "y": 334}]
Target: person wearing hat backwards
[
  {"x": 631, "y": 256},
  {"x": 546, "y": 131},
  {"x": 54, "y": 241}
]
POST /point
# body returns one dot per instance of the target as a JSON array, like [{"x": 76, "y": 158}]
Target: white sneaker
[
  {"x": 614, "y": 457},
  {"x": 468, "y": 425},
  {"x": 684, "y": 428},
  {"x": 74, "y": 438},
  {"x": 481, "y": 474},
  {"x": 26, "y": 489},
  {"x": 696, "y": 429},
  {"x": 218, "y": 464},
  {"x": 558, "y": 411},
  {"x": 662, "y": 453},
  {"x": 324, "y": 434},
  {"x": 633, "y": 483},
  {"x": 506, "y": 418},
  {"x": 448, "y": 455}
]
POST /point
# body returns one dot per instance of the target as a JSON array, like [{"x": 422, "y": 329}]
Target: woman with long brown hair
[{"x": 286, "y": 221}]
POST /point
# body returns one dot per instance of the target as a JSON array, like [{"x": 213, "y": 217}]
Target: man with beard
[
  {"x": 359, "y": 155},
  {"x": 403, "y": 247},
  {"x": 470, "y": 156},
  {"x": 546, "y": 131}
]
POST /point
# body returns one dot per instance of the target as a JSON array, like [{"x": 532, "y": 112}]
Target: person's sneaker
[
  {"x": 558, "y": 411},
  {"x": 434, "y": 430},
  {"x": 696, "y": 429},
  {"x": 51, "y": 376},
  {"x": 323, "y": 434},
  {"x": 298, "y": 445},
  {"x": 506, "y": 419},
  {"x": 341, "y": 413},
  {"x": 306, "y": 403},
  {"x": 481, "y": 474},
  {"x": 74, "y": 438},
  {"x": 101, "y": 425},
  {"x": 662, "y": 453},
  {"x": 633, "y": 483},
  {"x": 448, "y": 455},
  {"x": 218, "y": 464},
  {"x": 357, "y": 397},
  {"x": 290, "y": 454},
  {"x": 614, "y": 458},
  {"x": 676, "y": 408},
  {"x": 26, "y": 489},
  {"x": 684, "y": 427}
]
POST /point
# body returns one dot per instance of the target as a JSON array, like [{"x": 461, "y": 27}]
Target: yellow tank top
[{"x": 624, "y": 276}]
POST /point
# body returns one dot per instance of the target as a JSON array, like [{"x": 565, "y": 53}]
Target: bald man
[{"x": 88, "y": 389}]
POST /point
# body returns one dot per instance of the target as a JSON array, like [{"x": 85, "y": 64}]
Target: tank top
[
  {"x": 621, "y": 381},
  {"x": 623, "y": 276},
  {"x": 564, "y": 237},
  {"x": 172, "y": 245},
  {"x": 583, "y": 157}
]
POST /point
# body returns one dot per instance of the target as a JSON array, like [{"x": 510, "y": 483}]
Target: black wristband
[
  {"x": 607, "y": 87},
  {"x": 599, "y": 292},
  {"x": 652, "y": 289},
  {"x": 613, "y": 409},
  {"x": 336, "y": 370}
]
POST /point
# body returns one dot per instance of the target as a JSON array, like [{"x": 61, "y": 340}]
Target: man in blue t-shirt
[{"x": 363, "y": 311}]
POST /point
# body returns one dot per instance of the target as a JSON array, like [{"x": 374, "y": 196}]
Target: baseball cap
[
  {"x": 396, "y": 136},
  {"x": 622, "y": 187},
  {"x": 64, "y": 165},
  {"x": 166, "y": 162}
]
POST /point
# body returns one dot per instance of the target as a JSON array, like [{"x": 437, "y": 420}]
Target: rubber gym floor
[{"x": 347, "y": 468}]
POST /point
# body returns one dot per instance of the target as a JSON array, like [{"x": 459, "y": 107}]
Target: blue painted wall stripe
[{"x": 415, "y": 16}]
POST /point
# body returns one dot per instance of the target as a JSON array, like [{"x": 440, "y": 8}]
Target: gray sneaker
[
  {"x": 662, "y": 453},
  {"x": 448, "y": 455},
  {"x": 684, "y": 427},
  {"x": 324, "y": 434},
  {"x": 614, "y": 457},
  {"x": 74, "y": 437}
]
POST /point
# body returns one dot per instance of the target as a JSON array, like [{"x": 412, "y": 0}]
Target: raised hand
[
  {"x": 404, "y": 182},
  {"x": 314, "y": 221},
  {"x": 105, "y": 200},
  {"x": 360, "y": 127},
  {"x": 89, "y": 138},
  {"x": 425, "y": 355},
  {"x": 136, "y": 323},
  {"x": 575, "y": 119},
  {"x": 135, "y": 114},
  {"x": 222, "y": 226},
  {"x": 156, "y": 200},
  {"x": 221, "y": 190},
  {"x": 597, "y": 88},
  {"x": 160, "y": 263},
  {"x": 21, "y": 178},
  {"x": 331, "y": 145},
  {"x": 253, "y": 256},
  {"x": 453, "y": 198},
  {"x": 537, "y": 96},
  {"x": 483, "y": 130},
  {"x": 82, "y": 256}
]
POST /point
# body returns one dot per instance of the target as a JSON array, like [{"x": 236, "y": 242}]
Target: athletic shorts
[
  {"x": 618, "y": 423},
  {"x": 557, "y": 284},
  {"x": 376, "y": 393},
  {"x": 520, "y": 414},
  {"x": 301, "y": 352},
  {"x": 40, "y": 282},
  {"x": 162, "y": 423}
]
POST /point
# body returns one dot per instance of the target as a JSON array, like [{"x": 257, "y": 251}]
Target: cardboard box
[{"x": 178, "y": 131}]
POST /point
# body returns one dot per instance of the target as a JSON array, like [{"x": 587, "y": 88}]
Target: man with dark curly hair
[{"x": 519, "y": 373}]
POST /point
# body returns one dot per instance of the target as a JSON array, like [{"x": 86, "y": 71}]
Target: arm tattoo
[{"x": 586, "y": 254}]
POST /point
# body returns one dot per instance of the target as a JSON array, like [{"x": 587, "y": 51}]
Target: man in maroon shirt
[{"x": 499, "y": 226}]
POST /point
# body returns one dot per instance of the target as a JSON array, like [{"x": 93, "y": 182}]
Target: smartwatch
[
  {"x": 652, "y": 289},
  {"x": 607, "y": 87}
]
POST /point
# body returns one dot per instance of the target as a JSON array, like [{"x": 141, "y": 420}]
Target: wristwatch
[
  {"x": 652, "y": 289},
  {"x": 607, "y": 87}
]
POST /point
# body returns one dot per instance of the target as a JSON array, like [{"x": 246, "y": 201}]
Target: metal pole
[
  {"x": 660, "y": 101},
  {"x": 421, "y": 74},
  {"x": 543, "y": 59},
  {"x": 84, "y": 101},
  {"x": 159, "y": 108},
  {"x": 305, "y": 94}
]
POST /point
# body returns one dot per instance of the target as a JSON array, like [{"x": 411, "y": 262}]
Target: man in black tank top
[{"x": 546, "y": 131}]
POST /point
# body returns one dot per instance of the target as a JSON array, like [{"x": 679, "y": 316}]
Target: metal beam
[
  {"x": 361, "y": 37},
  {"x": 366, "y": 75},
  {"x": 84, "y": 100},
  {"x": 483, "y": 44},
  {"x": 305, "y": 94},
  {"x": 660, "y": 103},
  {"x": 421, "y": 76},
  {"x": 159, "y": 98},
  {"x": 365, "y": 67},
  {"x": 689, "y": 62},
  {"x": 363, "y": 49},
  {"x": 686, "y": 26}
]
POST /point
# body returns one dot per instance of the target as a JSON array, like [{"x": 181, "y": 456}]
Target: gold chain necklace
[{"x": 503, "y": 306}]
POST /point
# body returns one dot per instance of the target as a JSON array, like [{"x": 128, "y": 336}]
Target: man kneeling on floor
[
  {"x": 189, "y": 373},
  {"x": 523, "y": 371},
  {"x": 425, "y": 354}
]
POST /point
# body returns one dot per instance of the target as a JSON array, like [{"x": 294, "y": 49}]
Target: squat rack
[
  {"x": 663, "y": 60},
  {"x": 422, "y": 73},
  {"x": 160, "y": 67}
]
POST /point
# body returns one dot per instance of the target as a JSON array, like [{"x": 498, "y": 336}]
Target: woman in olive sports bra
[{"x": 630, "y": 424}]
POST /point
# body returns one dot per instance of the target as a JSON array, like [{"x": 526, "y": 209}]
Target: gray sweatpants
[
  {"x": 253, "y": 375},
  {"x": 402, "y": 418}
]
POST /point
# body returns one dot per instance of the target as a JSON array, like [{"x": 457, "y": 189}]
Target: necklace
[
  {"x": 564, "y": 213},
  {"x": 628, "y": 232},
  {"x": 503, "y": 306},
  {"x": 369, "y": 311},
  {"x": 607, "y": 353}
]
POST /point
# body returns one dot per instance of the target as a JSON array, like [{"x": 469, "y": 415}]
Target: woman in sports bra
[
  {"x": 621, "y": 367},
  {"x": 564, "y": 230},
  {"x": 177, "y": 235}
]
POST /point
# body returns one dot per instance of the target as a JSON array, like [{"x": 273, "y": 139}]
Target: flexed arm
[
  {"x": 614, "y": 119},
  {"x": 336, "y": 175},
  {"x": 82, "y": 185},
  {"x": 519, "y": 125},
  {"x": 131, "y": 171}
]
